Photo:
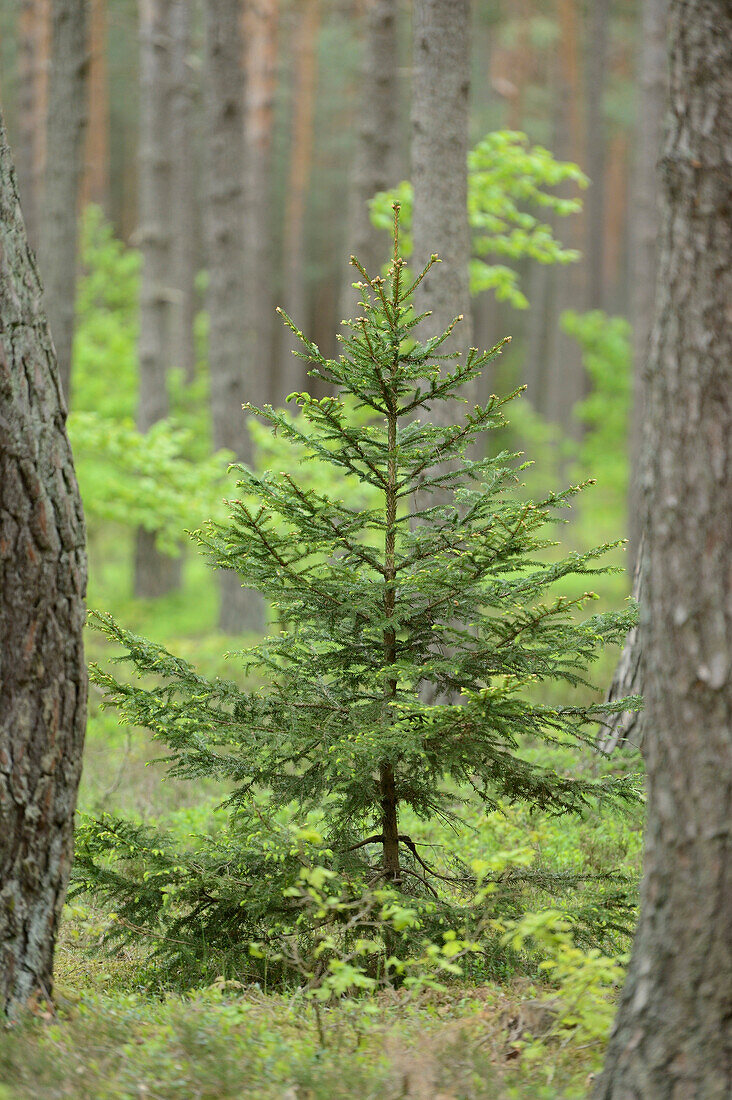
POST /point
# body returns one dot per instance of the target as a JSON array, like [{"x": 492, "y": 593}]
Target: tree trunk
[
  {"x": 441, "y": 88},
  {"x": 566, "y": 381},
  {"x": 229, "y": 344},
  {"x": 376, "y": 158},
  {"x": 42, "y": 587},
  {"x": 652, "y": 83},
  {"x": 183, "y": 194},
  {"x": 596, "y": 138},
  {"x": 95, "y": 181},
  {"x": 57, "y": 253},
  {"x": 673, "y": 1034},
  {"x": 301, "y": 156},
  {"x": 260, "y": 38},
  {"x": 155, "y": 573},
  {"x": 34, "y": 42}
]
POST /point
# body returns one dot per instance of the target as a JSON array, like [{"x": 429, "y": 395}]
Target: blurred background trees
[{"x": 249, "y": 189}]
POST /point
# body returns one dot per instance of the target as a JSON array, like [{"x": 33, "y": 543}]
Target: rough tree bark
[
  {"x": 229, "y": 344},
  {"x": 260, "y": 42},
  {"x": 376, "y": 158},
  {"x": 155, "y": 573},
  {"x": 183, "y": 193},
  {"x": 67, "y": 112},
  {"x": 441, "y": 89},
  {"x": 673, "y": 1033},
  {"x": 42, "y": 588}
]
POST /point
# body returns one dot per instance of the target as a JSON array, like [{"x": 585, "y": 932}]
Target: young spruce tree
[{"x": 380, "y": 601}]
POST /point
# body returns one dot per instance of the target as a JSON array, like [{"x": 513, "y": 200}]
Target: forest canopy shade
[{"x": 424, "y": 579}]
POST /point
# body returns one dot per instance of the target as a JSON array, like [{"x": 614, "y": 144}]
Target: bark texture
[
  {"x": 376, "y": 158},
  {"x": 229, "y": 346},
  {"x": 441, "y": 90},
  {"x": 673, "y": 1034},
  {"x": 155, "y": 574},
  {"x": 42, "y": 588},
  {"x": 67, "y": 112}
]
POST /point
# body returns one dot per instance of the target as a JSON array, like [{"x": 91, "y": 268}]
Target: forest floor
[{"x": 485, "y": 1042}]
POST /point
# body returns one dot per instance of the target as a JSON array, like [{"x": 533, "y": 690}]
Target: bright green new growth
[
  {"x": 509, "y": 189},
  {"x": 385, "y": 608}
]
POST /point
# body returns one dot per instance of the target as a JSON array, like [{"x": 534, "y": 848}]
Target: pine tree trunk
[
  {"x": 441, "y": 89},
  {"x": 229, "y": 337},
  {"x": 42, "y": 587},
  {"x": 260, "y": 38},
  {"x": 566, "y": 382},
  {"x": 183, "y": 194},
  {"x": 292, "y": 373},
  {"x": 596, "y": 139},
  {"x": 376, "y": 158},
  {"x": 155, "y": 573},
  {"x": 34, "y": 43},
  {"x": 652, "y": 82},
  {"x": 57, "y": 253},
  {"x": 95, "y": 180},
  {"x": 673, "y": 1033}
]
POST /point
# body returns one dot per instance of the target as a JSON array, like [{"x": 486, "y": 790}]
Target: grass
[{"x": 223, "y": 1043}]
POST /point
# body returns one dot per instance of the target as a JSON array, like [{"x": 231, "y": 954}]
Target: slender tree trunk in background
[
  {"x": 376, "y": 158},
  {"x": 301, "y": 156},
  {"x": 653, "y": 81},
  {"x": 439, "y": 171},
  {"x": 42, "y": 587},
  {"x": 510, "y": 66},
  {"x": 540, "y": 316},
  {"x": 652, "y": 84},
  {"x": 230, "y": 347},
  {"x": 260, "y": 39},
  {"x": 596, "y": 141},
  {"x": 183, "y": 194},
  {"x": 155, "y": 573},
  {"x": 34, "y": 46},
  {"x": 57, "y": 251},
  {"x": 95, "y": 179},
  {"x": 566, "y": 383},
  {"x": 673, "y": 1033},
  {"x": 523, "y": 65},
  {"x": 618, "y": 199},
  {"x": 441, "y": 88}
]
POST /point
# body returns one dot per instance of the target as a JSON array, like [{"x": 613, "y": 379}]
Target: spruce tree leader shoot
[{"x": 380, "y": 601}]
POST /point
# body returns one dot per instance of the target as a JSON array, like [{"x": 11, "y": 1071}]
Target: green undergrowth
[{"x": 107, "y": 1040}]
